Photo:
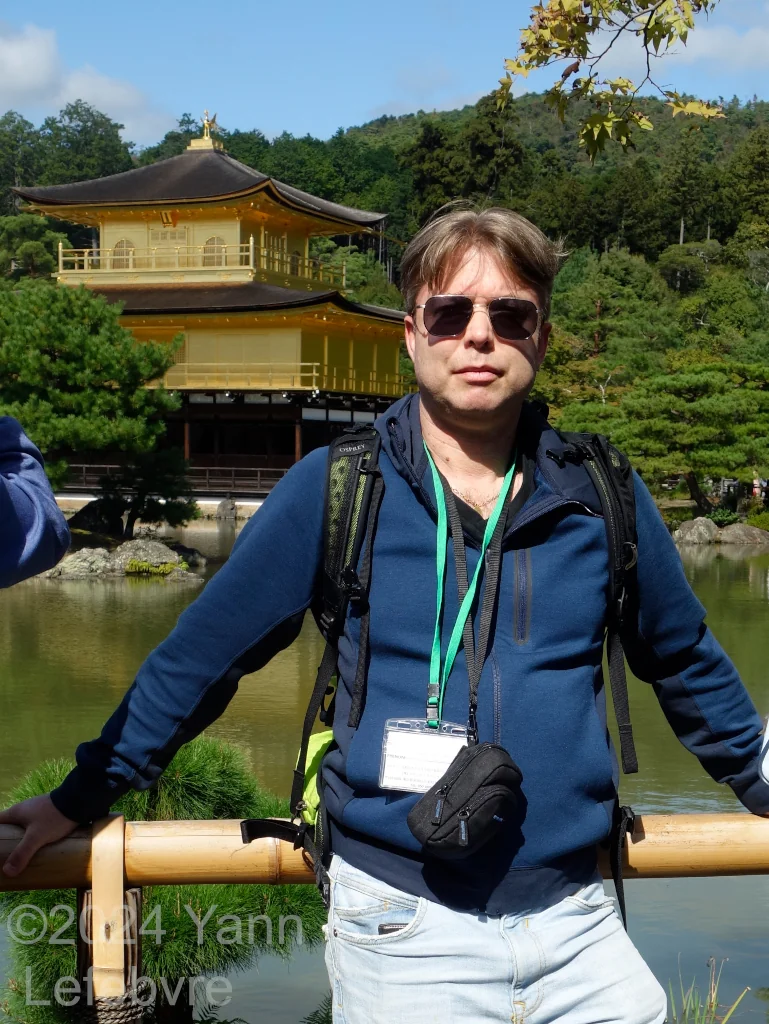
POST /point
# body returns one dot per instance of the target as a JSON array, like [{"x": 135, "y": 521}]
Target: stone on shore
[
  {"x": 741, "y": 533},
  {"x": 696, "y": 531},
  {"x": 227, "y": 509}
]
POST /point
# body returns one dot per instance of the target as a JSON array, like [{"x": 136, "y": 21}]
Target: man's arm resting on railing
[
  {"x": 33, "y": 532},
  {"x": 249, "y": 611},
  {"x": 695, "y": 681}
]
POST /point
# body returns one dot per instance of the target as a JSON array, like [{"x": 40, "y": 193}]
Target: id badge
[{"x": 415, "y": 755}]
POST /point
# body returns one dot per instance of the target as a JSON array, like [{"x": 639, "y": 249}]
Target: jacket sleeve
[
  {"x": 251, "y": 609},
  {"x": 696, "y": 683},
  {"x": 33, "y": 532}
]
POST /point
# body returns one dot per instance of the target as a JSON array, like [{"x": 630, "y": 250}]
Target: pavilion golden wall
[{"x": 195, "y": 232}]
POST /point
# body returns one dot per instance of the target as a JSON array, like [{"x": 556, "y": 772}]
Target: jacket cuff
[
  {"x": 84, "y": 796},
  {"x": 751, "y": 790}
]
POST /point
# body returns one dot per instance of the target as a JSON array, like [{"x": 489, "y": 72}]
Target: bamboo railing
[
  {"x": 114, "y": 855},
  {"x": 200, "y": 852}
]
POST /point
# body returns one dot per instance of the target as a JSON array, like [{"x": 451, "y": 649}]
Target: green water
[{"x": 69, "y": 651}]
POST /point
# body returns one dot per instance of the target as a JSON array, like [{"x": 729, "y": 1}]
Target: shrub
[
  {"x": 207, "y": 779},
  {"x": 759, "y": 519},
  {"x": 138, "y": 568},
  {"x": 723, "y": 516}
]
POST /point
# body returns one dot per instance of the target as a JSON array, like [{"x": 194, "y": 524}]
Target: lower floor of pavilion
[{"x": 241, "y": 443}]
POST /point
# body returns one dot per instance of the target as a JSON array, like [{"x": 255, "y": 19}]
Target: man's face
[{"x": 477, "y": 376}]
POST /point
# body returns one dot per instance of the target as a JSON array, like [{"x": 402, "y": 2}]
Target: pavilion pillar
[
  {"x": 298, "y": 436},
  {"x": 187, "y": 433}
]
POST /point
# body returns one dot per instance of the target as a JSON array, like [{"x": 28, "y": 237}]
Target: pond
[{"x": 69, "y": 651}]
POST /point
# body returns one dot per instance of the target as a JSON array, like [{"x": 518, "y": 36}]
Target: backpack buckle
[{"x": 352, "y": 584}]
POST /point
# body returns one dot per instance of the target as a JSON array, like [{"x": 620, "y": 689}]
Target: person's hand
[{"x": 42, "y": 823}]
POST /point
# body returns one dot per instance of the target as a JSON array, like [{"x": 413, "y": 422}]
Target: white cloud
[
  {"x": 33, "y": 78},
  {"x": 30, "y": 69},
  {"x": 717, "y": 50}
]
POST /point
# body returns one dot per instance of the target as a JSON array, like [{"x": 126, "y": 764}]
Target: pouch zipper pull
[
  {"x": 438, "y": 812},
  {"x": 464, "y": 831}
]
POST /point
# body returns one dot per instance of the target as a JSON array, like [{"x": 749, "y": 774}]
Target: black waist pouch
[{"x": 468, "y": 805}]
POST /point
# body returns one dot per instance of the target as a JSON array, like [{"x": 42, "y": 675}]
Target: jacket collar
[{"x": 401, "y": 434}]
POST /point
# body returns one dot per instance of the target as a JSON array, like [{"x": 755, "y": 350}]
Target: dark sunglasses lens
[
  {"x": 513, "y": 319},
  {"x": 447, "y": 316}
]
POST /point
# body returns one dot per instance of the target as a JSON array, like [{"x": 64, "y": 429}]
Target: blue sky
[{"x": 306, "y": 66}]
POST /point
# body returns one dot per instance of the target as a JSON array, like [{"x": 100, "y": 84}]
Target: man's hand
[{"x": 43, "y": 824}]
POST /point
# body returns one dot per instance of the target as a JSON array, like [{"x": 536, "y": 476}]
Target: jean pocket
[
  {"x": 367, "y": 914},
  {"x": 589, "y": 898}
]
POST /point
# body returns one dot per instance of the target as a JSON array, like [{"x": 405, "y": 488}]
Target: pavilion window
[
  {"x": 295, "y": 262},
  {"x": 213, "y": 252},
  {"x": 123, "y": 253}
]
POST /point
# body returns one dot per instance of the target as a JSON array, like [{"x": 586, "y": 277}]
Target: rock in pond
[
  {"x": 696, "y": 531},
  {"x": 741, "y": 533},
  {"x": 134, "y": 558}
]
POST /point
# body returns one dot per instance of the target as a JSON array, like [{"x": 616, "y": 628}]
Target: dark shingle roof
[
  {"x": 231, "y": 298},
  {"x": 193, "y": 176}
]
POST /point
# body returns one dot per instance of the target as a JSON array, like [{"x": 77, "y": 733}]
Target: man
[
  {"x": 33, "y": 532},
  {"x": 522, "y": 927}
]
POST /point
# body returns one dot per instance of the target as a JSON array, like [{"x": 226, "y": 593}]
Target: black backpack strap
[
  {"x": 359, "y": 687},
  {"x": 354, "y": 491},
  {"x": 353, "y": 469},
  {"x": 624, "y": 820},
  {"x": 612, "y": 477}
]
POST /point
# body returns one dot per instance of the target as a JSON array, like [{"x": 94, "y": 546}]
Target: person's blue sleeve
[
  {"x": 696, "y": 683},
  {"x": 33, "y": 532},
  {"x": 251, "y": 609}
]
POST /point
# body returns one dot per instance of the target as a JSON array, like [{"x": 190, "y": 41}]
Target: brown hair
[{"x": 436, "y": 252}]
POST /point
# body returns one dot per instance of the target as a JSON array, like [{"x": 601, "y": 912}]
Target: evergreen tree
[
  {"x": 19, "y": 157},
  {"x": 79, "y": 144},
  {"x": 686, "y": 190},
  {"x": 151, "y": 487},
  {"x": 620, "y": 308},
  {"x": 28, "y": 246},
  {"x": 75, "y": 378},
  {"x": 704, "y": 418},
  {"x": 747, "y": 185}
]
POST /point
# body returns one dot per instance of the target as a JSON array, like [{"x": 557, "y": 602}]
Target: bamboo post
[
  {"x": 208, "y": 852},
  {"x": 108, "y": 927}
]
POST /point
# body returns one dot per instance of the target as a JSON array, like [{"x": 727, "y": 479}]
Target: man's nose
[{"x": 479, "y": 331}]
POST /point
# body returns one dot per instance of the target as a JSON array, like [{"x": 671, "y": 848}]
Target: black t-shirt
[{"x": 473, "y": 523}]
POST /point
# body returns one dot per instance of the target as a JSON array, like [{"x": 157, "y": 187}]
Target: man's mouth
[{"x": 479, "y": 374}]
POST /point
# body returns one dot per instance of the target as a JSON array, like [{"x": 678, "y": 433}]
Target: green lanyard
[{"x": 438, "y": 678}]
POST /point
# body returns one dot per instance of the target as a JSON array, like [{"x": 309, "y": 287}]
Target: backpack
[{"x": 354, "y": 490}]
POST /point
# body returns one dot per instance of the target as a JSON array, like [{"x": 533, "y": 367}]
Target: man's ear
[
  {"x": 411, "y": 335},
  {"x": 544, "y": 339}
]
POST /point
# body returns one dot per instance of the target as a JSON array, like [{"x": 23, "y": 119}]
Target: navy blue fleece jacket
[
  {"x": 33, "y": 532},
  {"x": 541, "y": 693}
]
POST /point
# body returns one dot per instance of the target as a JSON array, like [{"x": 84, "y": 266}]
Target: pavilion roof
[
  {"x": 192, "y": 177},
  {"x": 253, "y": 296}
]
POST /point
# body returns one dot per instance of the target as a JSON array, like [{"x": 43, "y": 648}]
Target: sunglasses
[{"x": 447, "y": 316}]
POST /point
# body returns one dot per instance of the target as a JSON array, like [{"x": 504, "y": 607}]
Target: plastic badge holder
[{"x": 415, "y": 755}]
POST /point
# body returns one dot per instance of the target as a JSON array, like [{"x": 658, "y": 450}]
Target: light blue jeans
[{"x": 571, "y": 962}]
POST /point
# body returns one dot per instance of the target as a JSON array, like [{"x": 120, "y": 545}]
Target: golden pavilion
[{"x": 276, "y": 360}]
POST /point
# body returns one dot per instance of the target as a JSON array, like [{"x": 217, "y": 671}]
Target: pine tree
[
  {"x": 701, "y": 419},
  {"x": 75, "y": 378}
]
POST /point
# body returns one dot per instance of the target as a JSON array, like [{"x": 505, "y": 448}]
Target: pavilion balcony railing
[
  {"x": 283, "y": 376},
  {"x": 162, "y": 259},
  {"x": 242, "y": 480}
]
